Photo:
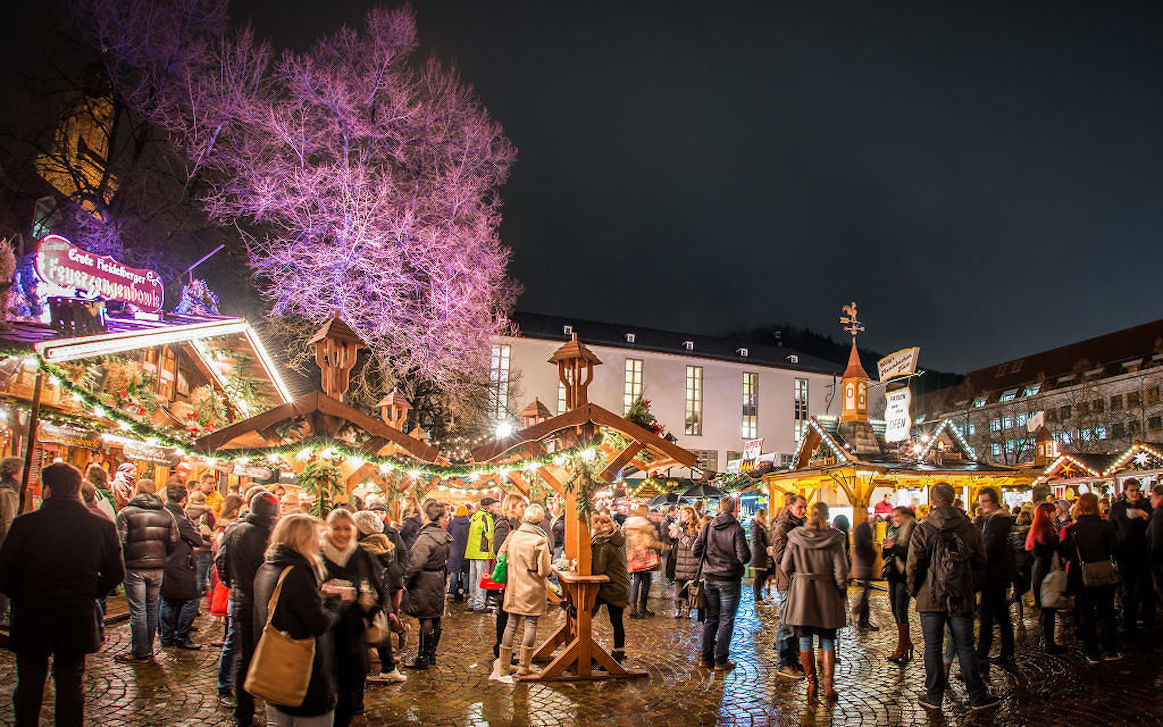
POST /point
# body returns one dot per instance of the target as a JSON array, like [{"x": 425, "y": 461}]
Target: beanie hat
[
  {"x": 264, "y": 505},
  {"x": 368, "y": 523},
  {"x": 461, "y": 511}
]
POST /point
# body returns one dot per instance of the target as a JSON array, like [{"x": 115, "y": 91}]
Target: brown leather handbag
[{"x": 280, "y": 670}]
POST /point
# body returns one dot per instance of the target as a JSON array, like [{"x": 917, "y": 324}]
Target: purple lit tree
[{"x": 364, "y": 180}]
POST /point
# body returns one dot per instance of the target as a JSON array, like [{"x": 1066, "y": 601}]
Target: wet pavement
[{"x": 179, "y": 689}]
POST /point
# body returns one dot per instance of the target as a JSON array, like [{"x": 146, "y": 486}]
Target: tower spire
[{"x": 854, "y": 382}]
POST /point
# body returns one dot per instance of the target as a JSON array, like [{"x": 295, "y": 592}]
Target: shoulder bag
[
  {"x": 1099, "y": 573},
  {"x": 1053, "y": 591},
  {"x": 280, "y": 670},
  {"x": 696, "y": 589}
]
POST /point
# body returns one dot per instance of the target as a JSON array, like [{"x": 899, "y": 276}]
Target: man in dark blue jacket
[
  {"x": 723, "y": 547},
  {"x": 1130, "y": 515},
  {"x": 54, "y": 565}
]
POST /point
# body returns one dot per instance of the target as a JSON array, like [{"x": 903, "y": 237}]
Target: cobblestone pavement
[{"x": 1044, "y": 690}]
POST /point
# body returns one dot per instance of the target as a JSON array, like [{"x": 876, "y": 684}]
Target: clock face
[
  {"x": 849, "y": 396},
  {"x": 863, "y": 396}
]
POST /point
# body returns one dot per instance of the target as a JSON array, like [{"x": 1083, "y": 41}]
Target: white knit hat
[{"x": 368, "y": 523}]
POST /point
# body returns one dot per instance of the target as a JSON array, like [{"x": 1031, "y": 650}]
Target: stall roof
[{"x": 204, "y": 336}]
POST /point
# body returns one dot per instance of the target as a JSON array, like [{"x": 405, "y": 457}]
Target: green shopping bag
[{"x": 501, "y": 569}]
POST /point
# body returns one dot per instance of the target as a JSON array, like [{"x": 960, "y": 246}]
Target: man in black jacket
[
  {"x": 148, "y": 532},
  {"x": 1129, "y": 515},
  {"x": 179, "y": 581},
  {"x": 241, "y": 553},
  {"x": 864, "y": 549},
  {"x": 54, "y": 565},
  {"x": 995, "y": 526},
  {"x": 1155, "y": 536},
  {"x": 723, "y": 546}
]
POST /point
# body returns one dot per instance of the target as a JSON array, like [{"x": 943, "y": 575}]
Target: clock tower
[{"x": 854, "y": 382}]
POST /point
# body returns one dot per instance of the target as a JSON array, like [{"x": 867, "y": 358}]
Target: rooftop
[{"x": 638, "y": 338}]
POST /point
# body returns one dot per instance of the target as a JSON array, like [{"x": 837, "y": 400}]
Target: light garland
[{"x": 1135, "y": 449}]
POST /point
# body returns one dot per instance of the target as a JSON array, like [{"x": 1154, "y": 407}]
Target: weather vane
[{"x": 849, "y": 320}]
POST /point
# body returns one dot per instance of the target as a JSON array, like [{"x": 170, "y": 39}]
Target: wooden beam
[
  {"x": 618, "y": 462},
  {"x": 492, "y": 450},
  {"x": 520, "y": 483},
  {"x": 653, "y": 442}
]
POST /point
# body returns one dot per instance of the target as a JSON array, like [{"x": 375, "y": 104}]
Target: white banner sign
[
  {"x": 752, "y": 448},
  {"x": 899, "y": 363},
  {"x": 255, "y": 473},
  {"x": 897, "y": 420}
]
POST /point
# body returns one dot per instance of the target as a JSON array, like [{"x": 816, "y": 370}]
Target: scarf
[{"x": 337, "y": 556}]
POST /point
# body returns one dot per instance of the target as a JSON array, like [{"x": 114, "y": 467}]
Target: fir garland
[{"x": 585, "y": 480}]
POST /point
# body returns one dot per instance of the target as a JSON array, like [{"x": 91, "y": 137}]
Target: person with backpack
[{"x": 944, "y": 552}]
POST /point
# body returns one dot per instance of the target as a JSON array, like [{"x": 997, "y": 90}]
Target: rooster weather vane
[{"x": 849, "y": 320}]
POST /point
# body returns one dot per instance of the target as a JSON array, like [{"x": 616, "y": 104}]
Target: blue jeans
[
  {"x": 229, "y": 658},
  {"x": 177, "y": 616},
  {"x": 826, "y": 644},
  {"x": 476, "y": 594},
  {"x": 933, "y": 625},
  {"x": 640, "y": 589},
  {"x": 456, "y": 583},
  {"x": 785, "y": 638},
  {"x": 142, "y": 592},
  {"x": 722, "y": 603},
  {"x": 202, "y": 561}
]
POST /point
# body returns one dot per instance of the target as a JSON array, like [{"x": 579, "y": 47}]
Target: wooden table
[{"x": 577, "y": 633}]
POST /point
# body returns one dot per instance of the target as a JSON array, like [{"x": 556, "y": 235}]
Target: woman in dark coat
[
  {"x": 410, "y": 527},
  {"x": 1090, "y": 539},
  {"x": 818, "y": 567},
  {"x": 608, "y": 558},
  {"x": 457, "y": 564},
  {"x": 345, "y": 561},
  {"x": 895, "y": 550},
  {"x": 1043, "y": 543},
  {"x": 305, "y": 609},
  {"x": 761, "y": 563},
  {"x": 686, "y": 564},
  {"x": 1023, "y": 561},
  {"x": 424, "y": 582}
]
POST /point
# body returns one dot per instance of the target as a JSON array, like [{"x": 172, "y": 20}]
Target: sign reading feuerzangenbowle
[
  {"x": 899, "y": 363},
  {"x": 65, "y": 265}
]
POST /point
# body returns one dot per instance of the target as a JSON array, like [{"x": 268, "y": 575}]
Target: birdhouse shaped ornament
[
  {"x": 394, "y": 409},
  {"x": 535, "y": 413},
  {"x": 575, "y": 370},
  {"x": 335, "y": 346}
]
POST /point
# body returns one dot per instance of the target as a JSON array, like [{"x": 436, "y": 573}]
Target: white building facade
[{"x": 710, "y": 393}]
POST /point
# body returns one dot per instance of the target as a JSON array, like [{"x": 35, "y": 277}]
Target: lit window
[
  {"x": 979, "y": 402},
  {"x": 1031, "y": 389},
  {"x": 1084, "y": 435},
  {"x": 1008, "y": 395},
  {"x": 1100, "y": 432},
  {"x": 1007, "y": 422},
  {"x": 1022, "y": 419},
  {"x": 750, "y": 426},
  {"x": 801, "y": 407},
  {"x": 694, "y": 400},
  {"x": 995, "y": 425},
  {"x": 1010, "y": 446},
  {"x": 499, "y": 381},
  {"x": 632, "y": 390},
  {"x": 995, "y": 449},
  {"x": 972, "y": 430},
  {"x": 561, "y": 406},
  {"x": 1067, "y": 437}
]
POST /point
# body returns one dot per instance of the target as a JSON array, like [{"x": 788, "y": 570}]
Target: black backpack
[{"x": 952, "y": 583}]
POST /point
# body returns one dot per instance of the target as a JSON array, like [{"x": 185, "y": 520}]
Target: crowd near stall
[{"x": 329, "y": 543}]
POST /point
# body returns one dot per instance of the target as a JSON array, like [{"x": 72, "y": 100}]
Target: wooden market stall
[{"x": 592, "y": 445}]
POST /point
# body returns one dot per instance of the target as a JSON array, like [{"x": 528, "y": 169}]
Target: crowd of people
[{"x": 343, "y": 590}]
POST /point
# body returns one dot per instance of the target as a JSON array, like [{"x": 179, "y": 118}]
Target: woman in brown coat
[
  {"x": 818, "y": 566},
  {"x": 527, "y": 556}
]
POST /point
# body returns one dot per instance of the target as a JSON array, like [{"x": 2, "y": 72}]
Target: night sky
[{"x": 983, "y": 178}]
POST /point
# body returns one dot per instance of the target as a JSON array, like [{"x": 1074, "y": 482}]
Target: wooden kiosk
[{"x": 580, "y": 426}]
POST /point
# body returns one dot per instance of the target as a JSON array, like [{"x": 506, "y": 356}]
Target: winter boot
[
  {"x": 524, "y": 668},
  {"x": 808, "y": 660},
  {"x": 828, "y": 669},
  {"x": 433, "y": 642},
  {"x": 421, "y": 660},
  {"x": 501, "y": 667},
  {"x": 904, "y": 646}
]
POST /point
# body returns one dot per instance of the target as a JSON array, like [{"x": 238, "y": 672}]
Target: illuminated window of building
[
  {"x": 632, "y": 391},
  {"x": 1031, "y": 389},
  {"x": 694, "y": 400},
  {"x": 499, "y": 381},
  {"x": 800, "y": 399},
  {"x": 995, "y": 425},
  {"x": 1008, "y": 395},
  {"x": 750, "y": 425}
]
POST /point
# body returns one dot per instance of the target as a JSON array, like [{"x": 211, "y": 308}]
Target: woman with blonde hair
[
  {"x": 526, "y": 551},
  {"x": 410, "y": 525},
  {"x": 306, "y": 608},
  {"x": 818, "y": 567},
  {"x": 512, "y": 510},
  {"x": 344, "y": 561}
]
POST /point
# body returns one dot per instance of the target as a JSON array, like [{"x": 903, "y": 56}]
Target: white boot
[{"x": 502, "y": 666}]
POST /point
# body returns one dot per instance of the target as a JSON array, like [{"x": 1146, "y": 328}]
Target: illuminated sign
[
  {"x": 899, "y": 363},
  {"x": 897, "y": 421},
  {"x": 63, "y": 264}
]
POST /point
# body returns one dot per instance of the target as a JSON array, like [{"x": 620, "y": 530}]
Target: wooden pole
[{"x": 30, "y": 445}]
